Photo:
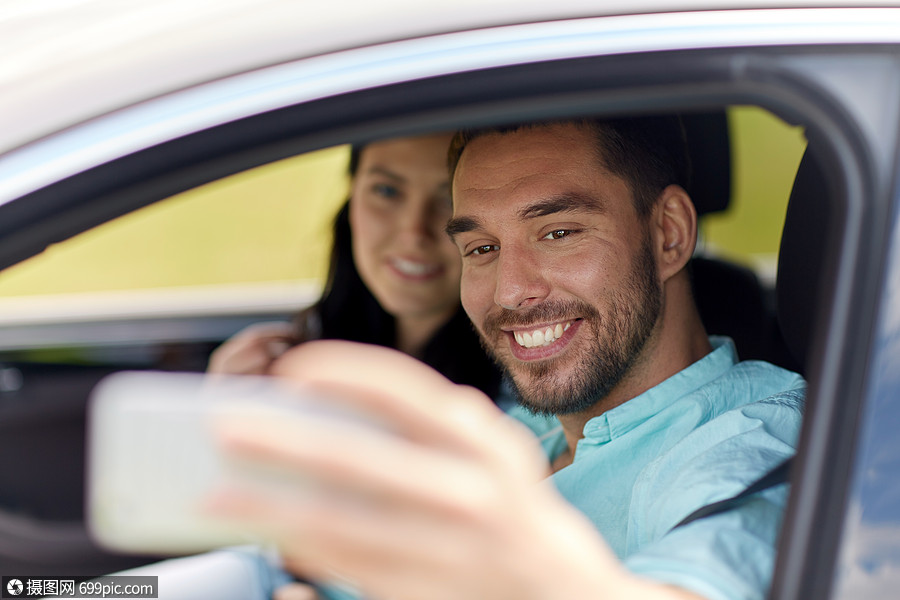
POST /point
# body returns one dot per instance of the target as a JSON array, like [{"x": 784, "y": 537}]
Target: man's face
[{"x": 559, "y": 275}]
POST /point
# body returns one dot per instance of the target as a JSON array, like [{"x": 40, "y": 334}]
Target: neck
[
  {"x": 414, "y": 332},
  {"x": 678, "y": 340}
]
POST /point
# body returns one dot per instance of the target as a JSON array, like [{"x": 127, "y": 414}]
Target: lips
[
  {"x": 415, "y": 269},
  {"x": 542, "y": 341},
  {"x": 542, "y": 336}
]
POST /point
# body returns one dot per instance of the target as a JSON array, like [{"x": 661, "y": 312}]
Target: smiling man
[
  {"x": 576, "y": 284},
  {"x": 562, "y": 277},
  {"x": 575, "y": 239}
]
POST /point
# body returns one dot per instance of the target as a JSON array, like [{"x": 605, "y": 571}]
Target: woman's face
[{"x": 399, "y": 205}]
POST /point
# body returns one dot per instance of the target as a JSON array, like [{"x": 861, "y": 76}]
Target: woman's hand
[{"x": 253, "y": 350}]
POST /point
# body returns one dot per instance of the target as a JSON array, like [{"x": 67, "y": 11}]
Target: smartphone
[{"x": 153, "y": 460}]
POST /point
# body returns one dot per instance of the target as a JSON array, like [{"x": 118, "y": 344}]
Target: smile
[
  {"x": 412, "y": 268},
  {"x": 543, "y": 336}
]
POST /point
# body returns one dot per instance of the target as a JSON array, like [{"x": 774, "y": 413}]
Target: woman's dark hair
[{"x": 347, "y": 310}]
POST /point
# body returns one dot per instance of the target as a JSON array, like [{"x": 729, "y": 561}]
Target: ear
[{"x": 675, "y": 230}]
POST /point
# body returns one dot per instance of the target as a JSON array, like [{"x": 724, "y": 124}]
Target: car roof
[{"x": 75, "y": 59}]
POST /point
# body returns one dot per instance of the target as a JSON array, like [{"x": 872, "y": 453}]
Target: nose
[
  {"x": 520, "y": 280},
  {"x": 417, "y": 222}
]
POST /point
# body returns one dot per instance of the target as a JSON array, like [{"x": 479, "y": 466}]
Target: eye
[
  {"x": 386, "y": 190},
  {"x": 485, "y": 249},
  {"x": 557, "y": 234}
]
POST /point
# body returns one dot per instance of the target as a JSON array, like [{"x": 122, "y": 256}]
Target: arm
[{"x": 452, "y": 504}]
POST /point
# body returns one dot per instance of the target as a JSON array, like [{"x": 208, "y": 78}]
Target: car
[{"x": 113, "y": 113}]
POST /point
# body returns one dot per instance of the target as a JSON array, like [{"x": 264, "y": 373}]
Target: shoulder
[
  {"x": 759, "y": 407},
  {"x": 755, "y": 429},
  {"x": 764, "y": 392},
  {"x": 757, "y": 382}
]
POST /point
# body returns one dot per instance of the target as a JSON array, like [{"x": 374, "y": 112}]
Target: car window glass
[
  {"x": 267, "y": 225},
  {"x": 765, "y": 154},
  {"x": 271, "y": 224},
  {"x": 257, "y": 243}
]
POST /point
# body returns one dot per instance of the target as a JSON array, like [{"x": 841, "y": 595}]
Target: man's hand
[
  {"x": 295, "y": 591},
  {"x": 450, "y": 503}
]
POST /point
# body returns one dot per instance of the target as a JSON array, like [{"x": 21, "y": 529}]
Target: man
[{"x": 575, "y": 238}]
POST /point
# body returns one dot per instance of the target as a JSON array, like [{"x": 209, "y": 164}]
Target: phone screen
[{"x": 153, "y": 459}]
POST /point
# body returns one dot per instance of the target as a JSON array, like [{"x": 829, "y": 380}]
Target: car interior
[{"x": 43, "y": 399}]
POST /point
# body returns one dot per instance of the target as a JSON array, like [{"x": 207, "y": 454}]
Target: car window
[
  {"x": 191, "y": 270},
  {"x": 264, "y": 230},
  {"x": 270, "y": 225},
  {"x": 255, "y": 244},
  {"x": 766, "y": 152},
  {"x": 266, "y": 225}
]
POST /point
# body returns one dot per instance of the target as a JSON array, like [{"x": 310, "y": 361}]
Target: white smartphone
[{"x": 153, "y": 461}]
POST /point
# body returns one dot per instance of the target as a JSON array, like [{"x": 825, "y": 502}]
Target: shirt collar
[{"x": 623, "y": 418}]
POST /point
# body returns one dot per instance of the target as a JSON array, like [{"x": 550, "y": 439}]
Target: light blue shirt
[{"x": 702, "y": 435}]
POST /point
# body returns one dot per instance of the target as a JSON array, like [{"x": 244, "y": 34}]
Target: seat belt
[{"x": 776, "y": 476}]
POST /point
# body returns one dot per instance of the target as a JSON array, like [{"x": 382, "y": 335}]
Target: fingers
[
  {"x": 439, "y": 500},
  {"x": 397, "y": 553},
  {"x": 350, "y": 459},
  {"x": 434, "y": 443},
  {"x": 253, "y": 350},
  {"x": 419, "y": 403},
  {"x": 389, "y": 553}
]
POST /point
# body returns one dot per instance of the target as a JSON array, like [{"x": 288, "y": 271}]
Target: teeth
[
  {"x": 541, "y": 337},
  {"x": 412, "y": 268}
]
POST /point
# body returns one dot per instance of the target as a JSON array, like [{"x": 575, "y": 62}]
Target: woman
[{"x": 394, "y": 274}]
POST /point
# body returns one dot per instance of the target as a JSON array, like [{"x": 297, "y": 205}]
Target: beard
[{"x": 616, "y": 341}]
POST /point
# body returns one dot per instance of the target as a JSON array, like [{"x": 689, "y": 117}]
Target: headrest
[
  {"x": 803, "y": 253},
  {"x": 709, "y": 150}
]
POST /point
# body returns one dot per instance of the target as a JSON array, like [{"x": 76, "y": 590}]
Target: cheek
[
  {"x": 591, "y": 278},
  {"x": 367, "y": 228},
  {"x": 363, "y": 242},
  {"x": 476, "y": 294},
  {"x": 589, "y": 272}
]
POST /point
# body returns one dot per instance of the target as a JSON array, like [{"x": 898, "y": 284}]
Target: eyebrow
[
  {"x": 458, "y": 225},
  {"x": 572, "y": 202},
  {"x": 384, "y": 171}
]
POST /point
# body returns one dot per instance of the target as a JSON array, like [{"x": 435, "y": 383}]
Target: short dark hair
[{"x": 648, "y": 152}]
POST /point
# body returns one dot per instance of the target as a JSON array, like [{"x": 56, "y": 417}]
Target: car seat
[
  {"x": 803, "y": 250},
  {"x": 730, "y": 297}
]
